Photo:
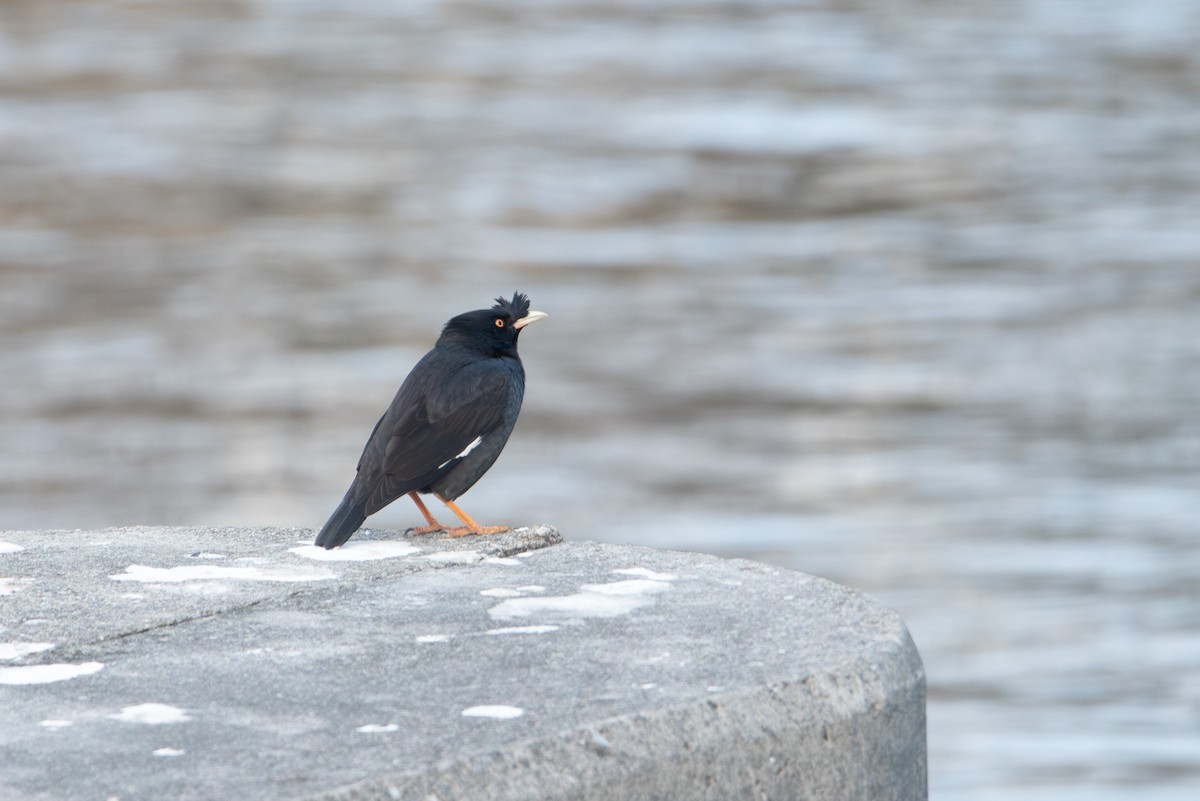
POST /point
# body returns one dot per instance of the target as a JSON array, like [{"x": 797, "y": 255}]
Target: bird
[{"x": 447, "y": 424}]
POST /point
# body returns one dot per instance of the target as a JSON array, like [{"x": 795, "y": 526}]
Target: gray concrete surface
[{"x": 230, "y": 663}]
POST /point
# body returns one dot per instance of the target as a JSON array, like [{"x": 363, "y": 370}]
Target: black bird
[{"x": 447, "y": 424}]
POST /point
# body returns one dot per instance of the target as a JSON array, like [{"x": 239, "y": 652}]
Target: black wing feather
[{"x": 429, "y": 425}]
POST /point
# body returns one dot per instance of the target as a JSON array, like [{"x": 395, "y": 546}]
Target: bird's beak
[{"x": 532, "y": 317}]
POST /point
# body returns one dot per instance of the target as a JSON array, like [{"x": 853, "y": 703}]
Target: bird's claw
[{"x": 463, "y": 531}]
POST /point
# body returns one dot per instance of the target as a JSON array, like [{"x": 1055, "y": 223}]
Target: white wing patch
[{"x": 474, "y": 444}]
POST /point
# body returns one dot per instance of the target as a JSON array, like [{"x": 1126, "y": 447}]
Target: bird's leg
[
  {"x": 471, "y": 526},
  {"x": 434, "y": 525}
]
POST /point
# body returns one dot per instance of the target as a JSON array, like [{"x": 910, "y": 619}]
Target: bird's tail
[{"x": 344, "y": 521}]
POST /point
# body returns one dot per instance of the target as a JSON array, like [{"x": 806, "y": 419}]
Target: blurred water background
[{"x": 905, "y": 294}]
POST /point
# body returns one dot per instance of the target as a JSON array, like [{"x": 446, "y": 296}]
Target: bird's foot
[
  {"x": 463, "y": 531},
  {"x": 416, "y": 532}
]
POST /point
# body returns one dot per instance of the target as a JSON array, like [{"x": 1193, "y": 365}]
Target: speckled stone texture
[{"x": 242, "y": 663}]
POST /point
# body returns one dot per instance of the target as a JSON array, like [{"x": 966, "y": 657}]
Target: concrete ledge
[{"x": 237, "y": 663}]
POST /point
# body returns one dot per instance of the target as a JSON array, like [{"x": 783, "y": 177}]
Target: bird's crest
[{"x": 516, "y": 308}]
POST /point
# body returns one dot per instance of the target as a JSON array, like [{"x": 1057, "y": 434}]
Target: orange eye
[{"x": 499, "y": 323}]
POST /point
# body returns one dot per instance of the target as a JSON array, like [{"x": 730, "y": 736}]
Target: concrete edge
[{"x": 753, "y": 743}]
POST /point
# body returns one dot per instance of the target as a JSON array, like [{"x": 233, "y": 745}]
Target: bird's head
[{"x": 495, "y": 329}]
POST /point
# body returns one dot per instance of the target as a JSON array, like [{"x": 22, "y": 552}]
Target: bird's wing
[{"x": 431, "y": 425}]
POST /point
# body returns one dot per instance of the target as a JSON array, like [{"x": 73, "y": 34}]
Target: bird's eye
[{"x": 499, "y": 323}]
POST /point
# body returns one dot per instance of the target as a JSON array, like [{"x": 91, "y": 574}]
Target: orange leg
[
  {"x": 434, "y": 525},
  {"x": 471, "y": 526}
]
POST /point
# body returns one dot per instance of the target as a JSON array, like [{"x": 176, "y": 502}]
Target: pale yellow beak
[{"x": 532, "y": 317}]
